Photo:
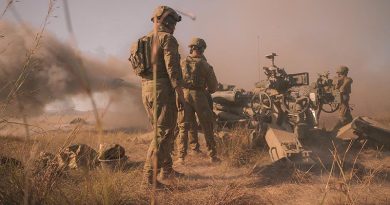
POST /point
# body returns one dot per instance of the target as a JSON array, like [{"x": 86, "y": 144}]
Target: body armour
[
  {"x": 198, "y": 74},
  {"x": 343, "y": 84}
]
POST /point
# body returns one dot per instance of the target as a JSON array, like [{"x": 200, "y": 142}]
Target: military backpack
[{"x": 141, "y": 55}]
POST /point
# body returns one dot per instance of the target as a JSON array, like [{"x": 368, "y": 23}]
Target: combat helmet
[
  {"x": 198, "y": 42},
  {"x": 342, "y": 70},
  {"x": 164, "y": 11}
]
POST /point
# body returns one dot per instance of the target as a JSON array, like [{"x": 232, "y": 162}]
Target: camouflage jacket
[
  {"x": 168, "y": 58},
  {"x": 198, "y": 74},
  {"x": 343, "y": 84}
]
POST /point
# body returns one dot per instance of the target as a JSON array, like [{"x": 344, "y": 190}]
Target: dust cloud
[
  {"x": 57, "y": 71},
  {"x": 308, "y": 36}
]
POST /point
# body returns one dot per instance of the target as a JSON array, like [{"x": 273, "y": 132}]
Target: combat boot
[{"x": 147, "y": 183}]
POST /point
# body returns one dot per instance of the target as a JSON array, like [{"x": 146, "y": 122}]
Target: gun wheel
[{"x": 261, "y": 103}]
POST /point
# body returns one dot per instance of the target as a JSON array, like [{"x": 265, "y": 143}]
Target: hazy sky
[{"x": 308, "y": 35}]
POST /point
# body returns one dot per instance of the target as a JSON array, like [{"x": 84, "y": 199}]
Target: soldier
[
  {"x": 343, "y": 84},
  {"x": 169, "y": 80},
  {"x": 199, "y": 82}
]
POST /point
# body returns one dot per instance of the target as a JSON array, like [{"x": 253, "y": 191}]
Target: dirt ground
[{"x": 342, "y": 173}]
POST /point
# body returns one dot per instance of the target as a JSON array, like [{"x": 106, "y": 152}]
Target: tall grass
[{"x": 235, "y": 146}]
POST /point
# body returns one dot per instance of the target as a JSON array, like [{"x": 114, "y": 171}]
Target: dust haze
[
  {"x": 57, "y": 71},
  {"x": 308, "y": 36}
]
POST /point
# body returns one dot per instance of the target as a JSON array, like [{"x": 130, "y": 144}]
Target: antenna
[
  {"x": 190, "y": 15},
  {"x": 258, "y": 55},
  {"x": 272, "y": 57}
]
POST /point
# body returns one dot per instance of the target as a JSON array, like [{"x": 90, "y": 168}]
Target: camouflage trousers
[
  {"x": 191, "y": 139},
  {"x": 197, "y": 103},
  {"x": 345, "y": 116},
  {"x": 166, "y": 122}
]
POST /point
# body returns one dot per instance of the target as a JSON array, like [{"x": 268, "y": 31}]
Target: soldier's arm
[
  {"x": 336, "y": 83},
  {"x": 211, "y": 80},
  {"x": 172, "y": 60},
  {"x": 183, "y": 66},
  {"x": 346, "y": 83}
]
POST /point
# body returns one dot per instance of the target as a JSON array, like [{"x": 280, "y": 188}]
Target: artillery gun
[
  {"x": 285, "y": 97},
  {"x": 286, "y": 101},
  {"x": 290, "y": 98},
  {"x": 284, "y": 108},
  {"x": 271, "y": 111},
  {"x": 280, "y": 110}
]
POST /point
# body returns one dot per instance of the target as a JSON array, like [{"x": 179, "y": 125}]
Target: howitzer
[
  {"x": 301, "y": 100},
  {"x": 280, "y": 93},
  {"x": 276, "y": 93},
  {"x": 281, "y": 104}
]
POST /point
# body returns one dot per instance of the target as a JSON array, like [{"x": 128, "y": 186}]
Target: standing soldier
[
  {"x": 169, "y": 80},
  {"x": 343, "y": 84},
  {"x": 199, "y": 82}
]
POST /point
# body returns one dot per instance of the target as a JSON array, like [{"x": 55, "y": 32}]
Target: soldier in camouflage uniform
[
  {"x": 199, "y": 82},
  {"x": 343, "y": 84},
  {"x": 169, "y": 80}
]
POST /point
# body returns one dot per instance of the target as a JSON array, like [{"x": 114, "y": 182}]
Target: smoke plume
[{"x": 57, "y": 71}]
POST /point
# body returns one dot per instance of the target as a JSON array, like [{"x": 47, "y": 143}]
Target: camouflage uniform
[
  {"x": 169, "y": 77},
  {"x": 343, "y": 84},
  {"x": 199, "y": 81},
  {"x": 192, "y": 139},
  {"x": 183, "y": 123}
]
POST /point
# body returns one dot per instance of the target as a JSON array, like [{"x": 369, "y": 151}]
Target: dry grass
[
  {"x": 359, "y": 174},
  {"x": 235, "y": 147},
  {"x": 52, "y": 186},
  {"x": 205, "y": 183}
]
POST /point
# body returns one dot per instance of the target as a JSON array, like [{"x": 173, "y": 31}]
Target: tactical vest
[
  {"x": 193, "y": 73},
  {"x": 343, "y": 84}
]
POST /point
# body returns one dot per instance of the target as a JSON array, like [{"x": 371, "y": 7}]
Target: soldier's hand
[{"x": 180, "y": 97}]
